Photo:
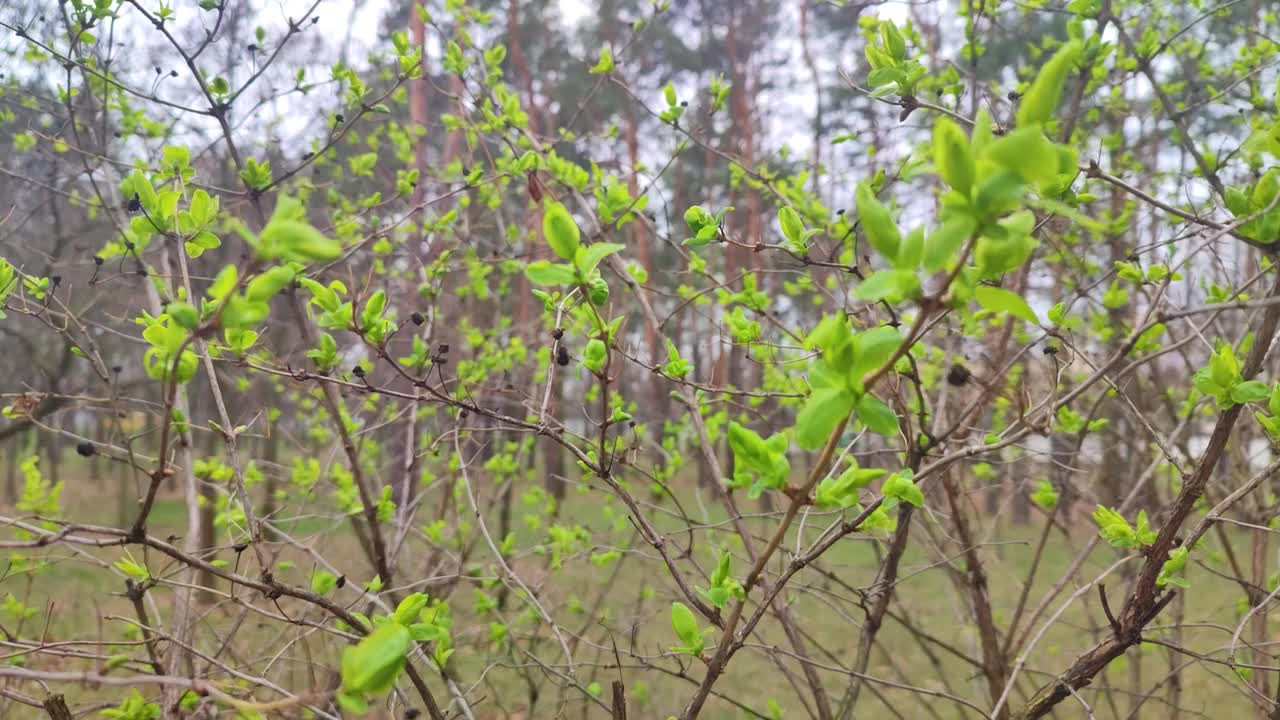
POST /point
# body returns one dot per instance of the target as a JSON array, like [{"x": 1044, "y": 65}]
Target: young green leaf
[
  {"x": 685, "y": 624},
  {"x": 822, "y": 412},
  {"x": 594, "y": 355},
  {"x": 542, "y": 272},
  {"x": 268, "y": 283},
  {"x": 879, "y": 226},
  {"x": 877, "y": 416},
  {"x": 604, "y": 65},
  {"x": 183, "y": 314},
  {"x": 1250, "y": 391},
  {"x": 296, "y": 241},
  {"x": 792, "y": 226},
  {"x": 323, "y": 582},
  {"x": 952, "y": 157},
  {"x": 1171, "y": 567},
  {"x": 373, "y": 664},
  {"x": 943, "y": 243},
  {"x": 1027, "y": 153},
  {"x": 1045, "y": 496},
  {"x": 902, "y": 486},
  {"x": 588, "y": 257},
  {"x": 891, "y": 285},
  {"x": 1040, "y": 101},
  {"x": 560, "y": 230},
  {"x": 410, "y": 608},
  {"x": 893, "y": 41},
  {"x": 1005, "y": 301}
]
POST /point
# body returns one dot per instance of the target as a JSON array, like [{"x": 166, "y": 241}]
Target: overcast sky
[{"x": 368, "y": 16}]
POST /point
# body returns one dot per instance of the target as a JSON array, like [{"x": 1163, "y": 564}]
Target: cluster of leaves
[
  {"x": 891, "y": 70},
  {"x": 1222, "y": 381},
  {"x": 988, "y": 178},
  {"x": 838, "y": 376},
  {"x": 1117, "y": 531},
  {"x": 582, "y": 267},
  {"x": 758, "y": 463},
  {"x": 723, "y": 586},
  {"x": 372, "y": 666},
  {"x": 134, "y": 707},
  {"x": 704, "y": 226},
  {"x": 40, "y": 496},
  {"x": 841, "y": 491}
]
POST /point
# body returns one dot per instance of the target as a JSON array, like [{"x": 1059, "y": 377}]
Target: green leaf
[
  {"x": 604, "y": 65},
  {"x": 353, "y": 702},
  {"x": 560, "y": 230},
  {"x": 298, "y": 241},
  {"x": 138, "y": 184},
  {"x": 842, "y": 490},
  {"x": 879, "y": 226},
  {"x": 224, "y": 283},
  {"x": 893, "y": 41},
  {"x": 755, "y": 459},
  {"x": 589, "y": 257},
  {"x": 998, "y": 194},
  {"x": 1045, "y": 496},
  {"x": 884, "y": 76},
  {"x": 373, "y": 310},
  {"x": 183, "y": 314},
  {"x": 203, "y": 207},
  {"x": 1001, "y": 300},
  {"x": 410, "y": 608},
  {"x": 1250, "y": 391},
  {"x": 323, "y": 582},
  {"x": 268, "y": 283},
  {"x": 1040, "y": 102},
  {"x": 1028, "y": 153},
  {"x": 792, "y": 226},
  {"x": 1113, "y": 528},
  {"x": 891, "y": 285},
  {"x": 831, "y": 334},
  {"x": 669, "y": 94},
  {"x": 911, "y": 252},
  {"x": 871, "y": 350},
  {"x": 176, "y": 156},
  {"x": 747, "y": 446},
  {"x": 822, "y": 412},
  {"x": 685, "y": 624},
  {"x": 1224, "y": 367},
  {"x": 202, "y": 241},
  {"x": 952, "y": 157},
  {"x": 878, "y": 417},
  {"x": 943, "y": 243},
  {"x": 902, "y": 485},
  {"x": 129, "y": 567},
  {"x": 542, "y": 272},
  {"x": 594, "y": 355},
  {"x": 373, "y": 664},
  {"x": 1171, "y": 567}
]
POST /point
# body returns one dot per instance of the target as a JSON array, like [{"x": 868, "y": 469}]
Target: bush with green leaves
[{"x": 528, "y": 365}]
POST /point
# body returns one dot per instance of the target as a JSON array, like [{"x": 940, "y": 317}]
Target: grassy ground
[{"x": 85, "y": 600}]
